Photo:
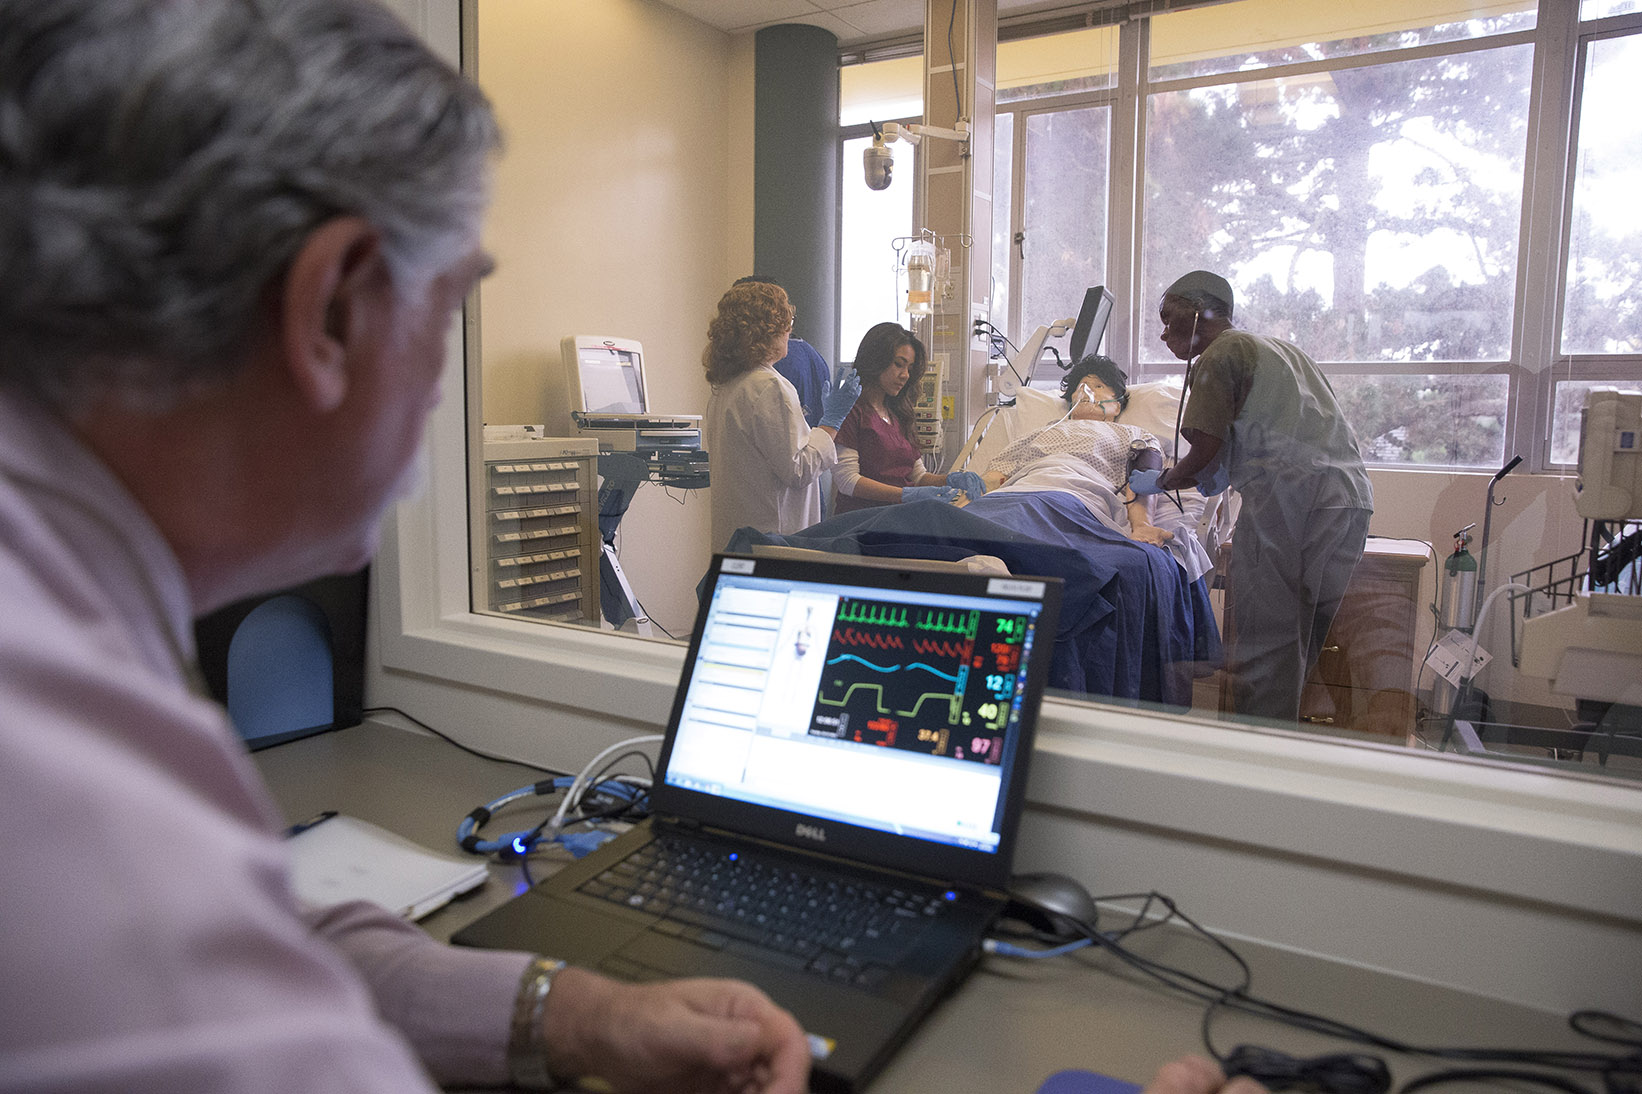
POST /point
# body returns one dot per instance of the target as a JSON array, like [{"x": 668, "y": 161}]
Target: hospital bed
[{"x": 1136, "y": 620}]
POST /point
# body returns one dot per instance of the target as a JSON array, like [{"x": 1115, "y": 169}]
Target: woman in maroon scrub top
[{"x": 878, "y": 459}]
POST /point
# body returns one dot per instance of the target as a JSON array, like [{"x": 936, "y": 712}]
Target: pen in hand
[{"x": 317, "y": 818}]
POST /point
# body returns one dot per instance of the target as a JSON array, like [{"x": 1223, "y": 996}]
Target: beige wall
[{"x": 623, "y": 207}]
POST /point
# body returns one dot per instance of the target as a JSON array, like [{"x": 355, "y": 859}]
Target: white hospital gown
[
  {"x": 1089, "y": 459},
  {"x": 1103, "y": 446}
]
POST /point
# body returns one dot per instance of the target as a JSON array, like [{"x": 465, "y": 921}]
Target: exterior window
[
  {"x": 1057, "y": 65},
  {"x": 1067, "y": 156},
  {"x": 1445, "y": 420},
  {"x": 1370, "y": 214},
  {"x": 1603, "y": 306},
  {"x": 1227, "y": 38},
  {"x": 871, "y": 220},
  {"x": 1003, "y": 238}
]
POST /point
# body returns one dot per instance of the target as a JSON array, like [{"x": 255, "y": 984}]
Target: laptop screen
[{"x": 893, "y": 706}]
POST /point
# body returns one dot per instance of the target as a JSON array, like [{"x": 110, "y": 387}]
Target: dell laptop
[{"x": 835, "y": 805}]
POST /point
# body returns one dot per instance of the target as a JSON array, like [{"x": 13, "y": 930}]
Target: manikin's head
[{"x": 1099, "y": 382}]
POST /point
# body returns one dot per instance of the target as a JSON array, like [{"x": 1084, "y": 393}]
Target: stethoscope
[{"x": 1186, "y": 385}]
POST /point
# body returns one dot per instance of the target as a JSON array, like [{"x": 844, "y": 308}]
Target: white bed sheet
[
  {"x": 1154, "y": 407},
  {"x": 1071, "y": 475}
]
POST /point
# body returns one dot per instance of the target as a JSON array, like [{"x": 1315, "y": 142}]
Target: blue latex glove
[
  {"x": 1215, "y": 481},
  {"x": 929, "y": 493},
  {"x": 967, "y": 481},
  {"x": 836, "y": 404},
  {"x": 1145, "y": 482}
]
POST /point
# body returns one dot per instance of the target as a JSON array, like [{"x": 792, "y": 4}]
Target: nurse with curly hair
[{"x": 765, "y": 460}]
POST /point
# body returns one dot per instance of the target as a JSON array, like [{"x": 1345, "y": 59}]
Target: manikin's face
[
  {"x": 1099, "y": 396},
  {"x": 895, "y": 377}
]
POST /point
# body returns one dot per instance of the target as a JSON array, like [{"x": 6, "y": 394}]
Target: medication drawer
[{"x": 536, "y": 549}]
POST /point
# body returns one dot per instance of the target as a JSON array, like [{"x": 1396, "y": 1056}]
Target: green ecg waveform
[
  {"x": 879, "y": 615},
  {"x": 962, "y": 623}
]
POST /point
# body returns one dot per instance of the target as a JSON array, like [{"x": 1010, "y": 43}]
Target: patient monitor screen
[
  {"x": 888, "y": 710},
  {"x": 612, "y": 380},
  {"x": 1091, "y": 325}
]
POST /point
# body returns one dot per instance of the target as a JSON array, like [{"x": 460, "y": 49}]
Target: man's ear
[{"x": 335, "y": 278}]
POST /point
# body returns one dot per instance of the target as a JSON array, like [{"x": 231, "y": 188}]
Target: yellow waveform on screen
[{"x": 878, "y": 701}]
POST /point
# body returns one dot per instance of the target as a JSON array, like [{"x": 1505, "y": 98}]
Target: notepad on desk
[{"x": 339, "y": 858}]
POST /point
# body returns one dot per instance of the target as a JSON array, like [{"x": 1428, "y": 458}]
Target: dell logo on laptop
[{"x": 813, "y": 831}]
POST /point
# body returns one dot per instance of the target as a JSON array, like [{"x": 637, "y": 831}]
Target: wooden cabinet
[{"x": 1364, "y": 679}]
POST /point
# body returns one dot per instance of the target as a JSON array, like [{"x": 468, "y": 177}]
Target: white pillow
[
  {"x": 1033, "y": 410},
  {"x": 1152, "y": 407}
]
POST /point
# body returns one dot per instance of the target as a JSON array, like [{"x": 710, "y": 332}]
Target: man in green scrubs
[{"x": 1260, "y": 412}]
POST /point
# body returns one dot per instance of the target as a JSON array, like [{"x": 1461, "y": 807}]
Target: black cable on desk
[
  {"x": 1356, "y": 1073},
  {"x": 469, "y": 749}
]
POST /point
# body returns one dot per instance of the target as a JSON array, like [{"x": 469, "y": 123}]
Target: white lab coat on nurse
[{"x": 765, "y": 460}]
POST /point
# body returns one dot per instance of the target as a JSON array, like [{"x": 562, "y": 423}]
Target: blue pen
[{"x": 317, "y": 818}]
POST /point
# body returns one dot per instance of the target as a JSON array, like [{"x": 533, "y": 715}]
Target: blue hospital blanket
[{"x": 1132, "y": 626}]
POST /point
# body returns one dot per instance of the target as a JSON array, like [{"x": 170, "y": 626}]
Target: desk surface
[{"x": 1013, "y": 1023}]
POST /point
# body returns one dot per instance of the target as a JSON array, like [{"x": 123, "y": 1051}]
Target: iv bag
[{"x": 921, "y": 278}]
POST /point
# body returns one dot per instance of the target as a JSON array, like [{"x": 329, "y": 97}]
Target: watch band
[{"x": 527, "y": 1042}]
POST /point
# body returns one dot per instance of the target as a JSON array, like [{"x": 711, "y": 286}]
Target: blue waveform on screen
[{"x": 953, "y": 677}]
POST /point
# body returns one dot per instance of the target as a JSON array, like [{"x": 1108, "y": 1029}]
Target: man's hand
[
  {"x": 689, "y": 1036},
  {"x": 1197, "y": 1075},
  {"x": 1214, "y": 481}
]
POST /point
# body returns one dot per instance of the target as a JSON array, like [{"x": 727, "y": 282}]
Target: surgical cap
[{"x": 1199, "y": 284}]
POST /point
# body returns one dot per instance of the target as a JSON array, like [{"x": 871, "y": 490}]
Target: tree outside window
[{"x": 1370, "y": 214}]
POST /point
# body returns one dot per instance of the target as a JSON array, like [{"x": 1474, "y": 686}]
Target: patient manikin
[{"x": 1087, "y": 443}]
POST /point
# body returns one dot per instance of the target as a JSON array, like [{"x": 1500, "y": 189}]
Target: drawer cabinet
[{"x": 537, "y": 553}]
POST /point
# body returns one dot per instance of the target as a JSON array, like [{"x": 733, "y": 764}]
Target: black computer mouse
[{"x": 1052, "y": 902}]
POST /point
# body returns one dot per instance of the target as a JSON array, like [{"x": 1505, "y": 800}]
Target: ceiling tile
[
  {"x": 734, "y": 15},
  {"x": 877, "y": 18}
]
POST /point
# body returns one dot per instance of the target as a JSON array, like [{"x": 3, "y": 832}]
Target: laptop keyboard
[{"x": 835, "y": 926}]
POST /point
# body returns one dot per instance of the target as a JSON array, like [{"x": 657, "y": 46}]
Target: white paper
[
  {"x": 344, "y": 858},
  {"x": 1448, "y": 657}
]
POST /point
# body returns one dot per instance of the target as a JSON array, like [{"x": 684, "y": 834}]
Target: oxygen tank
[{"x": 1459, "y": 599}]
